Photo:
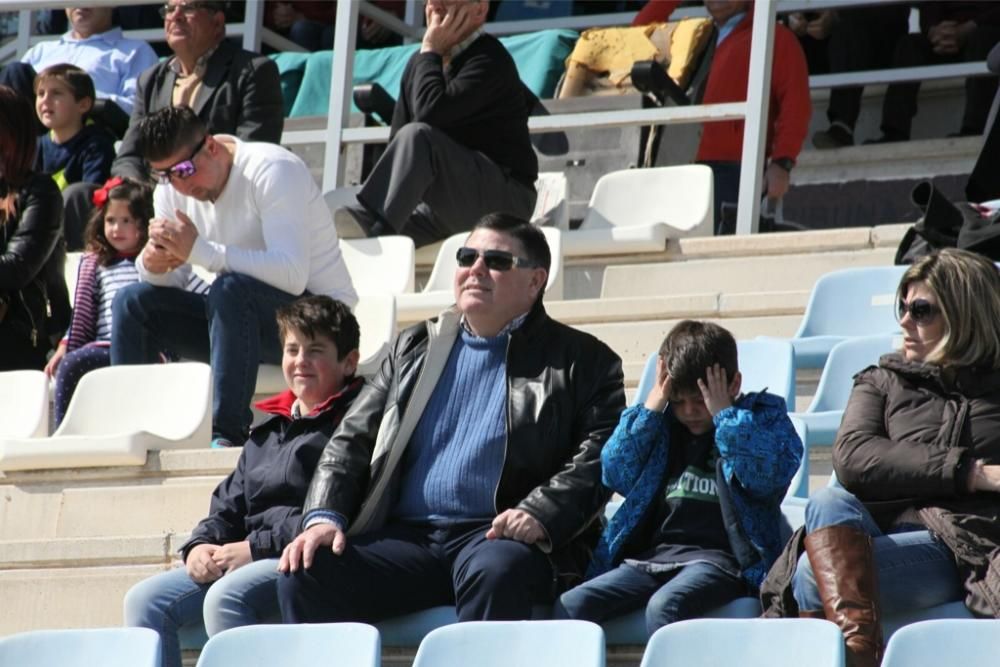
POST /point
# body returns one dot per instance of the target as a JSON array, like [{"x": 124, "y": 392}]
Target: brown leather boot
[{"x": 841, "y": 559}]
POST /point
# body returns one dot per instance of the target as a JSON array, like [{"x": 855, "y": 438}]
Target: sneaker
[
  {"x": 887, "y": 138},
  {"x": 836, "y": 136},
  {"x": 221, "y": 443},
  {"x": 353, "y": 222}
]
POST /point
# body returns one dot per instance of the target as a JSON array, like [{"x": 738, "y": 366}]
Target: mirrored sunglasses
[
  {"x": 495, "y": 260},
  {"x": 183, "y": 169}
]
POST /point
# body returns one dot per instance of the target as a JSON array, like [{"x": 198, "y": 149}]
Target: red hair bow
[{"x": 100, "y": 196}]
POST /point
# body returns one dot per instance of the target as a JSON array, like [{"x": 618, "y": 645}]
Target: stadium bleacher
[{"x": 74, "y": 538}]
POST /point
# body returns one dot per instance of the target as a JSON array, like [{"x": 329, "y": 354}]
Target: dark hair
[
  {"x": 139, "y": 197},
  {"x": 691, "y": 347},
  {"x": 18, "y": 138},
  {"x": 75, "y": 79},
  {"x": 320, "y": 315},
  {"x": 165, "y": 131},
  {"x": 536, "y": 248}
]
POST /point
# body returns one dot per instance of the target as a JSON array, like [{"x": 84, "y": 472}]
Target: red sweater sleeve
[
  {"x": 655, "y": 11},
  {"x": 790, "y": 95}
]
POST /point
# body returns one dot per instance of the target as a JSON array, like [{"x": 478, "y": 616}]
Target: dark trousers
[
  {"x": 428, "y": 186},
  {"x": 403, "y": 568},
  {"x": 77, "y": 208},
  {"x": 71, "y": 370},
  {"x": 900, "y": 104},
  {"x": 726, "y": 190},
  {"x": 863, "y": 38}
]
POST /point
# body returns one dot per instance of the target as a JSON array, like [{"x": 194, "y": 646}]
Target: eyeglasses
[
  {"x": 183, "y": 169},
  {"x": 188, "y": 9},
  {"x": 495, "y": 260},
  {"x": 921, "y": 311}
]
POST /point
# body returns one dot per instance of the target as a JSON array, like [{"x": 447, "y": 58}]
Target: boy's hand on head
[
  {"x": 715, "y": 389},
  {"x": 659, "y": 394}
]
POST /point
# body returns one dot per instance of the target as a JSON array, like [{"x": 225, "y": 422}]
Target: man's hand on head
[
  {"x": 444, "y": 33},
  {"x": 516, "y": 525}
]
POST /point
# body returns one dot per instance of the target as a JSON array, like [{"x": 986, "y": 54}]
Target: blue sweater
[
  {"x": 455, "y": 456},
  {"x": 759, "y": 453},
  {"x": 86, "y": 158}
]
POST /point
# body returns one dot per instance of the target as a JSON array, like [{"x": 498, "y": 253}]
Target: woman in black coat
[{"x": 30, "y": 232}]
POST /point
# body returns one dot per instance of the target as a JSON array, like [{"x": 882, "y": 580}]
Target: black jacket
[
  {"x": 30, "y": 242},
  {"x": 909, "y": 433},
  {"x": 240, "y": 95},
  {"x": 261, "y": 501},
  {"x": 564, "y": 395},
  {"x": 478, "y": 100}
]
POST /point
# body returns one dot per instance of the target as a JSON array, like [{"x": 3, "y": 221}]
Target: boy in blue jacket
[
  {"x": 231, "y": 559},
  {"x": 703, "y": 470}
]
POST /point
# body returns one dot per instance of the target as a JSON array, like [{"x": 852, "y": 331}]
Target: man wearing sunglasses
[
  {"x": 232, "y": 90},
  {"x": 459, "y": 146},
  {"x": 251, "y": 214},
  {"x": 468, "y": 472}
]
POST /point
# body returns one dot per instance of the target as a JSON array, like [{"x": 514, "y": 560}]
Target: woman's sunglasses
[
  {"x": 183, "y": 169},
  {"x": 495, "y": 260},
  {"x": 921, "y": 311}
]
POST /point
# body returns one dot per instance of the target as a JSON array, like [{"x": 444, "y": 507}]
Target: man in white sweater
[{"x": 251, "y": 214}]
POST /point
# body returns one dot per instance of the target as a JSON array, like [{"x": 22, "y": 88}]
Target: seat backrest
[
  {"x": 70, "y": 271},
  {"x": 853, "y": 302},
  {"x": 348, "y": 644},
  {"x": 24, "y": 404},
  {"x": 108, "y": 647},
  {"x": 846, "y": 359},
  {"x": 966, "y": 642},
  {"x": 382, "y": 265},
  {"x": 170, "y": 401},
  {"x": 763, "y": 363},
  {"x": 721, "y": 642},
  {"x": 505, "y": 643},
  {"x": 443, "y": 272},
  {"x": 680, "y": 196},
  {"x": 376, "y": 315},
  {"x": 799, "y": 486}
]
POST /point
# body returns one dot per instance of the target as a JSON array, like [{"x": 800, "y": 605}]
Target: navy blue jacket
[{"x": 261, "y": 500}]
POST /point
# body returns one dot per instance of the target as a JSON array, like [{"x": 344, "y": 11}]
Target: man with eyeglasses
[
  {"x": 248, "y": 212},
  {"x": 468, "y": 472},
  {"x": 459, "y": 146},
  {"x": 232, "y": 90}
]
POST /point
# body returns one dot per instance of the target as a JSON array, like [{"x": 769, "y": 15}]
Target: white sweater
[{"x": 270, "y": 222}]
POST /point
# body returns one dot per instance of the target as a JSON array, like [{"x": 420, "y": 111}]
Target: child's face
[
  {"x": 311, "y": 368},
  {"x": 56, "y": 107},
  {"x": 121, "y": 228},
  {"x": 691, "y": 411}
]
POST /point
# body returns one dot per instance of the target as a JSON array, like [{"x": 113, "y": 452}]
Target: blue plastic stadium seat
[
  {"x": 508, "y": 643},
  {"x": 343, "y": 644},
  {"x": 969, "y": 643},
  {"x": 845, "y": 304},
  {"x": 847, "y": 359},
  {"x": 747, "y": 643},
  {"x": 108, "y": 647}
]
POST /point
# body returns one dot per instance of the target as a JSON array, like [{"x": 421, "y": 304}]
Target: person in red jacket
[{"x": 721, "y": 144}]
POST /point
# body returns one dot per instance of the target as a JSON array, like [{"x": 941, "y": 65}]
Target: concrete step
[{"x": 739, "y": 275}]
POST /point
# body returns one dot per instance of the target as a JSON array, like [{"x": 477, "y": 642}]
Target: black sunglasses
[
  {"x": 183, "y": 169},
  {"x": 921, "y": 311},
  {"x": 495, "y": 260}
]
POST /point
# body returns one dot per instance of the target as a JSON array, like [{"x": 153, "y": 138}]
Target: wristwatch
[{"x": 785, "y": 163}]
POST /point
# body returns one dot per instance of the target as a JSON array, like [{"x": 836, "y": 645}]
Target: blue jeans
[
  {"x": 688, "y": 592},
  {"x": 902, "y": 557},
  {"x": 170, "y": 601},
  {"x": 232, "y": 327}
]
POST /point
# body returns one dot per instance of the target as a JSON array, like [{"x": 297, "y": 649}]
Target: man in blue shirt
[{"x": 92, "y": 44}]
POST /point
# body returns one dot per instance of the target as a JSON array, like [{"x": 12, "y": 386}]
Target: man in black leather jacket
[{"x": 468, "y": 471}]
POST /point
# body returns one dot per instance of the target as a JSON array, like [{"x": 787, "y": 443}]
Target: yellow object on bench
[{"x": 602, "y": 59}]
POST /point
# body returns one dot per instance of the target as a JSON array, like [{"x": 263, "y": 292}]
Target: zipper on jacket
[{"x": 31, "y": 319}]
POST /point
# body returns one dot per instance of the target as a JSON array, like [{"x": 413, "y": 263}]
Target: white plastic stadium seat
[
  {"x": 382, "y": 265},
  {"x": 118, "y": 414},
  {"x": 637, "y": 210},
  {"x": 376, "y": 315},
  {"x": 439, "y": 292},
  {"x": 69, "y": 272},
  {"x": 551, "y": 206},
  {"x": 24, "y": 404}
]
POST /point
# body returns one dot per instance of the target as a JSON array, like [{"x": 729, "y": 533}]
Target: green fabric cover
[
  {"x": 540, "y": 59},
  {"x": 291, "y": 68}
]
